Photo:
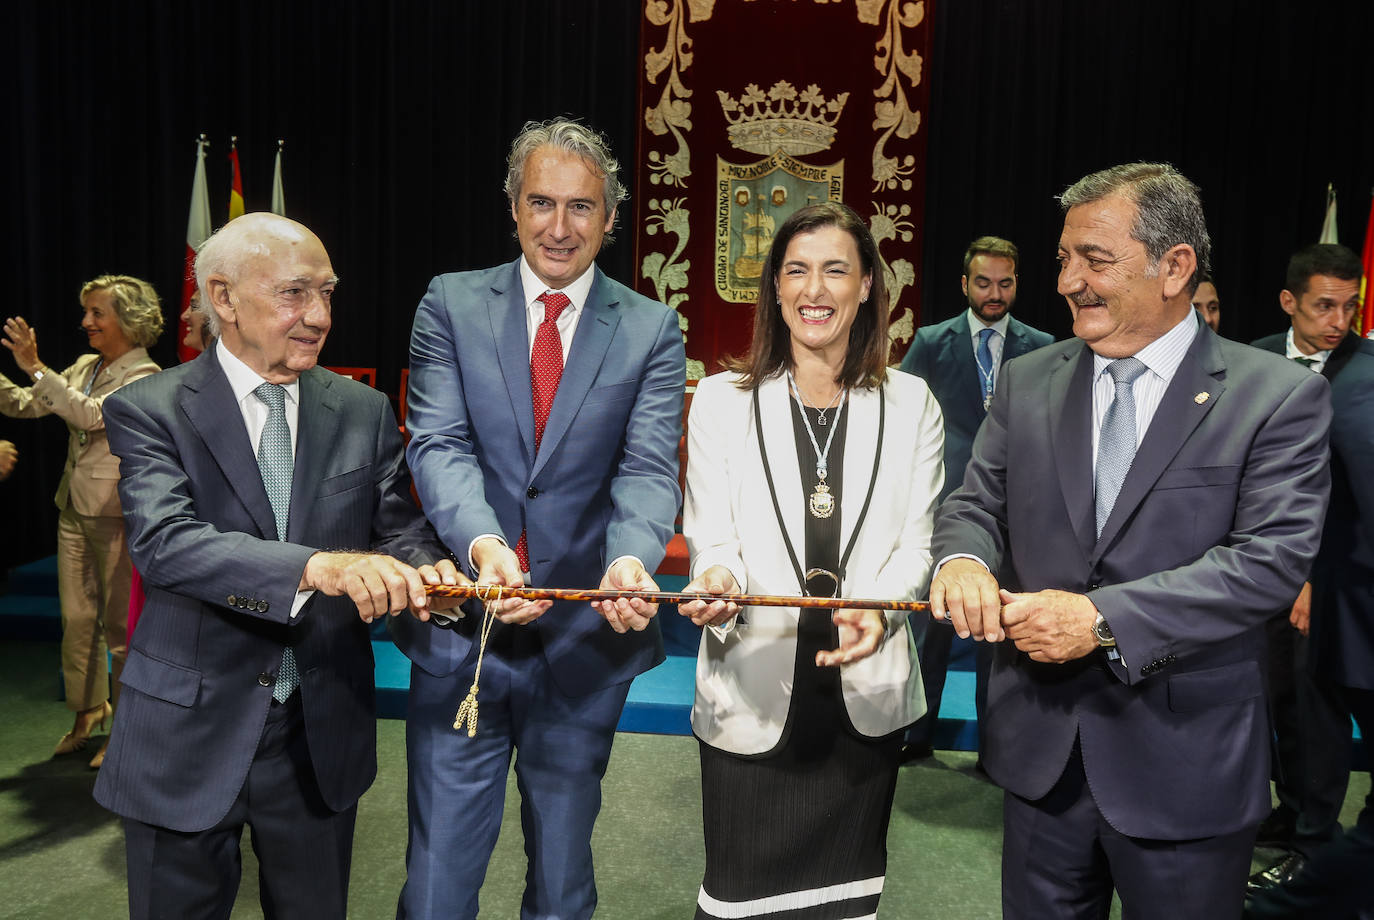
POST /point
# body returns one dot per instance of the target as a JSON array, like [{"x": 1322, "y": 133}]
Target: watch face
[{"x": 1104, "y": 633}]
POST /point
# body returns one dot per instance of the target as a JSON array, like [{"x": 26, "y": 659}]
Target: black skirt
[{"x": 800, "y": 832}]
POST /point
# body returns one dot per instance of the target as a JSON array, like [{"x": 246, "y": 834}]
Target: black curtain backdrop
[
  {"x": 1260, "y": 104},
  {"x": 396, "y": 118}
]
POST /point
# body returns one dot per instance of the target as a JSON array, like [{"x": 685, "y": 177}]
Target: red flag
[
  {"x": 197, "y": 232},
  {"x": 235, "y": 183},
  {"x": 1366, "y": 319}
]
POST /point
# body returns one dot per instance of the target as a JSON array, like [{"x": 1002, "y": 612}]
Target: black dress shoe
[
  {"x": 913, "y": 752},
  {"x": 1276, "y": 831},
  {"x": 1280, "y": 873}
]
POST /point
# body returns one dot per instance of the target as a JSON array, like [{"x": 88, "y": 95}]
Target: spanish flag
[
  {"x": 1366, "y": 318},
  {"x": 236, "y": 182}
]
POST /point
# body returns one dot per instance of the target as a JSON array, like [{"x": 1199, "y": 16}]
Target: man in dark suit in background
[
  {"x": 1322, "y": 651},
  {"x": 961, "y": 359},
  {"x": 1156, "y": 491},
  {"x": 248, "y": 692},
  {"x": 545, "y": 411}
]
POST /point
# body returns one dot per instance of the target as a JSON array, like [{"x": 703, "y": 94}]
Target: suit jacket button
[
  {"x": 262, "y": 606},
  {"x": 232, "y": 600},
  {"x": 264, "y": 679},
  {"x": 531, "y": 492}
]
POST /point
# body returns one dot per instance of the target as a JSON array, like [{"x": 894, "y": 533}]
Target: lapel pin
[{"x": 1201, "y": 397}]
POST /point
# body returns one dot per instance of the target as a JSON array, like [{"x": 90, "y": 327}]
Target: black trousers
[
  {"x": 304, "y": 849},
  {"x": 1337, "y": 883}
]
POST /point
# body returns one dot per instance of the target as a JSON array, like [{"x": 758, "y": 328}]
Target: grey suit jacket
[
  {"x": 220, "y": 588},
  {"x": 942, "y": 356},
  {"x": 1217, "y": 522}
]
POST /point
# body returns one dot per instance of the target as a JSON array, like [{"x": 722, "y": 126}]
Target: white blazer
[{"x": 745, "y": 668}]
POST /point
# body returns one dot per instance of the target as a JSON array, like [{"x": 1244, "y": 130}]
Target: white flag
[
  {"x": 1329, "y": 224},
  {"x": 278, "y": 196}
]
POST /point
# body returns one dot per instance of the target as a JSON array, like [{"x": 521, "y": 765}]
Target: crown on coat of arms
[{"x": 797, "y": 123}]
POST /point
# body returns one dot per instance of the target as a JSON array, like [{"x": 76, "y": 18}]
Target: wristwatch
[
  {"x": 38, "y": 374},
  {"x": 1103, "y": 633}
]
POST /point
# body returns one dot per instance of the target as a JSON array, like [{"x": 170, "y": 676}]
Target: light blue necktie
[
  {"x": 276, "y": 463},
  {"x": 985, "y": 366},
  {"x": 1117, "y": 442}
]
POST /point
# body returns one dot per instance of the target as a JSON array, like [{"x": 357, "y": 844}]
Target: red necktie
[{"x": 546, "y": 369}]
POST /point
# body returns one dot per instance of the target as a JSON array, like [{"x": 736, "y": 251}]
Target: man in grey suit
[
  {"x": 545, "y": 411},
  {"x": 961, "y": 360},
  {"x": 248, "y": 691},
  {"x": 1321, "y": 652},
  {"x": 1156, "y": 492}
]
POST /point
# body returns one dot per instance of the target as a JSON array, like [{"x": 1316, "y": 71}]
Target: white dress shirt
[
  {"x": 1161, "y": 359},
  {"x": 243, "y": 380},
  {"x": 1292, "y": 352},
  {"x": 995, "y": 344}
]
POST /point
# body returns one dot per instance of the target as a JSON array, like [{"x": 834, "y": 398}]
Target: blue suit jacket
[
  {"x": 942, "y": 356},
  {"x": 1216, "y": 524},
  {"x": 1343, "y": 573},
  {"x": 220, "y": 587},
  {"x": 603, "y": 484}
]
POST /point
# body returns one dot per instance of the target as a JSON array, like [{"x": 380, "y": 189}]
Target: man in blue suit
[
  {"x": 1322, "y": 651},
  {"x": 1156, "y": 492},
  {"x": 546, "y": 411},
  {"x": 248, "y": 692},
  {"x": 961, "y": 360}
]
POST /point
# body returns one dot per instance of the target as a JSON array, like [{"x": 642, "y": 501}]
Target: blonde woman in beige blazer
[
  {"x": 121, "y": 316},
  {"x": 813, "y": 468}
]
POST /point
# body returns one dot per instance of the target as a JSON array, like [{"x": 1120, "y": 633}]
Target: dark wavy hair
[{"x": 770, "y": 352}]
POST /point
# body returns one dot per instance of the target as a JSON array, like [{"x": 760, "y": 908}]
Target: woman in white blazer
[
  {"x": 121, "y": 316},
  {"x": 813, "y": 468}
]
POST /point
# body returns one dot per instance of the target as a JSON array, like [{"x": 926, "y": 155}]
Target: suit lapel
[
  {"x": 1340, "y": 356},
  {"x": 208, "y": 402},
  {"x": 511, "y": 339},
  {"x": 1071, "y": 408},
  {"x": 956, "y": 352},
  {"x": 1181, "y": 410},
  {"x": 595, "y": 329},
  {"x": 775, "y": 409},
  {"x": 317, "y": 425},
  {"x": 860, "y": 446},
  {"x": 1016, "y": 344}
]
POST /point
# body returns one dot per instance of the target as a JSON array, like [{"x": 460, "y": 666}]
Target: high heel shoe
[
  {"x": 99, "y": 757},
  {"x": 86, "y": 723}
]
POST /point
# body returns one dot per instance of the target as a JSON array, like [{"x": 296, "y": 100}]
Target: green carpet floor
[{"x": 62, "y": 856}]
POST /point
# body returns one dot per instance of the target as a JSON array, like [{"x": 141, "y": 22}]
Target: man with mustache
[
  {"x": 1152, "y": 489},
  {"x": 961, "y": 360}
]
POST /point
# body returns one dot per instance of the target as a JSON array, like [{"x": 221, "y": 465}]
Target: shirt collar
[
  {"x": 243, "y": 380},
  {"x": 1292, "y": 352},
  {"x": 976, "y": 325},
  {"x": 1164, "y": 354},
  {"x": 576, "y": 292}
]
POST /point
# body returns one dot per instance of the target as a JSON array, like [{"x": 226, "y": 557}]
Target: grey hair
[
  {"x": 138, "y": 310},
  {"x": 576, "y": 138},
  {"x": 1168, "y": 209}
]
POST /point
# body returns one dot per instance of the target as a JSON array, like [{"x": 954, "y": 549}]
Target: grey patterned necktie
[
  {"x": 276, "y": 463},
  {"x": 1117, "y": 442}
]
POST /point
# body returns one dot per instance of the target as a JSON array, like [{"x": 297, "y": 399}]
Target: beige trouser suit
[{"x": 93, "y": 570}]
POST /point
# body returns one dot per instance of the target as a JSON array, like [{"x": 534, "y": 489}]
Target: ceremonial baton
[{"x": 497, "y": 592}]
